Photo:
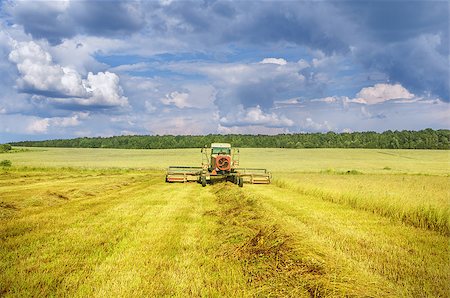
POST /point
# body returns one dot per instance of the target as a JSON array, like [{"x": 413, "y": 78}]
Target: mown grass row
[
  {"x": 98, "y": 233},
  {"x": 421, "y": 214},
  {"x": 108, "y": 234},
  {"x": 268, "y": 261},
  {"x": 369, "y": 255},
  {"x": 278, "y": 262}
]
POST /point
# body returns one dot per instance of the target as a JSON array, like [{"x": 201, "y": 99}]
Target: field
[{"x": 102, "y": 222}]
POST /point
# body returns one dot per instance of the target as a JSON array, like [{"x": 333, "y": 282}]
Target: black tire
[
  {"x": 203, "y": 181},
  {"x": 240, "y": 182}
]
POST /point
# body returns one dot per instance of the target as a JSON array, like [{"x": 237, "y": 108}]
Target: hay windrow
[{"x": 266, "y": 252}]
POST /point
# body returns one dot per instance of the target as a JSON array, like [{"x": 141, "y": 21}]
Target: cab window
[{"x": 221, "y": 151}]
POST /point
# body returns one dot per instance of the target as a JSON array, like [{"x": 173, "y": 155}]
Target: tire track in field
[{"x": 412, "y": 259}]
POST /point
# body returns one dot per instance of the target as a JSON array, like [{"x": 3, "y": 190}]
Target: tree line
[{"x": 423, "y": 139}]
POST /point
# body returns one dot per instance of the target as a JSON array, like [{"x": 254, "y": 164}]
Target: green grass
[{"x": 102, "y": 222}]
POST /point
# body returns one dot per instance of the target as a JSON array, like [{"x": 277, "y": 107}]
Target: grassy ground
[
  {"x": 91, "y": 230},
  {"x": 436, "y": 162},
  {"x": 417, "y": 200}
]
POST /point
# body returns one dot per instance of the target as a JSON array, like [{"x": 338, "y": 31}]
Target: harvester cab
[{"x": 220, "y": 162}]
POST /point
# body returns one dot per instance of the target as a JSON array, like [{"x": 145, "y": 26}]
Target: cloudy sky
[{"x": 102, "y": 68}]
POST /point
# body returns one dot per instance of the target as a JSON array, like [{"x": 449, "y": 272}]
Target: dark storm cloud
[
  {"x": 389, "y": 36},
  {"x": 54, "y": 20},
  {"x": 258, "y": 90},
  {"x": 393, "y": 21},
  {"x": 261, "y": 93},
  {"x": 408, "y": 40},
  {"x": 107, "y": 18},
  {"x": 415, "y": 63},
  {"x": 314, "y": 25},
  {"x": 48, "y": 22},
  {"x": 223, "y": 45}
]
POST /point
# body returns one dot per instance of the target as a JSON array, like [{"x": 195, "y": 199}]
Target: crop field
[{"x": 334, "y": 223}]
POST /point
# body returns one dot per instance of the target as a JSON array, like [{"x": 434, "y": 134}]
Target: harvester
[{"x": 219, "y": 163}]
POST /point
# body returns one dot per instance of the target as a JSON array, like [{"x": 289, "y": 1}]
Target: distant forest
[{"x": 424, "y": 139}]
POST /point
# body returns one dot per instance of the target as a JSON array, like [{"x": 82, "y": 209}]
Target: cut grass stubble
[{"x": 313, "y": 232}]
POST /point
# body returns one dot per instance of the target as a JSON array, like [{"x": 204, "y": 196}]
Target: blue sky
[{"x": 103, "y": 68}]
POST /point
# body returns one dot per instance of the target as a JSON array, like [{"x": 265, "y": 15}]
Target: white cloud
[
  {"x": 141, "y": 66},
  {"x": 38, "y": 126},
  {"x": 179, "y": 99},
  {"x": 180, "y": 125},
  {"x": 149, "y": 107},
  {"x": 381, "y": 93},
  {"x": 329, "y": 99},
  {"x": 374, "y": 95},
  {"x": 73, "y": 120},
  {"x": 40, "y": 75},
  {"x": 324, "y": 61},
  {"x": 252, "y": 129},
  {"x": 83, "y": 133},
  {"x": 66, "y": 121},
  {"x": 77, "y": 54},
  {"x": 228, "y": 76},
  {"x": 254, "y": 116},
  {"x": 105, "y": 89},
  {"x": 279, "y": 61},
  {"x": 365, "y": 113},
  {"x": 303, "y": 64},
  {"x": 309, "y": 124},
  {"x": 42, "y": 125}
]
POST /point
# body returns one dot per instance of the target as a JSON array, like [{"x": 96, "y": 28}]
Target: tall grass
[
  {"x": 278, "y": 262},
  {"x": 411, "y": 209},
  {"x": 368, "y": 255}
]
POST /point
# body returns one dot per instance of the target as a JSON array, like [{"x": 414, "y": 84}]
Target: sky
[{"x": 102, "y": 68}]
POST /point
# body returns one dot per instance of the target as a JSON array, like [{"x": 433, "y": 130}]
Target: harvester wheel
[
  {"x": 203, "y": 181},
  {"x": 240, "y": 181}
]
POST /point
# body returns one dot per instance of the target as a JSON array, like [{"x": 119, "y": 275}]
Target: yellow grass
[
  {"x": 278, "y": 160},
  {"x": 417, "y": 200},
  {"x": 107, "y": 225}
]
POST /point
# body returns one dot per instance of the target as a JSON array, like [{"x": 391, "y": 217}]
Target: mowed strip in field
[
  {"x": 103, "y": 232},
  {"x": 126, "y": 235}
]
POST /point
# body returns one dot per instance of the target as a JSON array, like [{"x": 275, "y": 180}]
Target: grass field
[
  {"x": 102, "y": 222},
  {"x": 430, "y": 162}
]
